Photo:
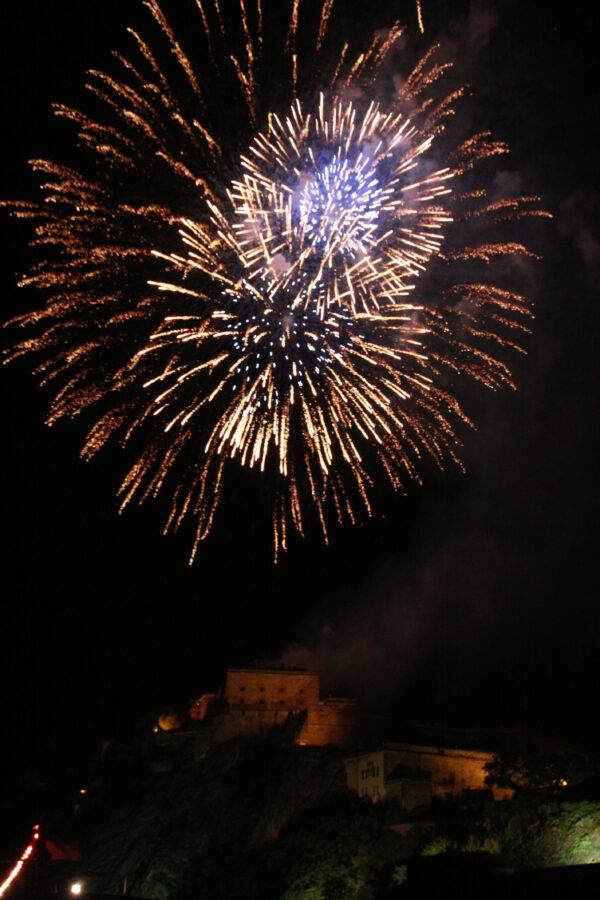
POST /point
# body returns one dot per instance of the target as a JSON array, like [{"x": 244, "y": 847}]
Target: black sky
[{"x": 475, "y": 599}]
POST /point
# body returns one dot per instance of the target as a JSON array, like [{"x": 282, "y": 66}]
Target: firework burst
[{"x": 264, "y": 308}]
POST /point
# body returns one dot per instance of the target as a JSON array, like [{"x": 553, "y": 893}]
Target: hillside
[
  {"x": 253, "y": 817},
  {"x": 176, "y": 817}
]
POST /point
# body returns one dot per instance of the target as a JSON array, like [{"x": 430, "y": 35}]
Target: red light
[{"x": 4, "y": 885}]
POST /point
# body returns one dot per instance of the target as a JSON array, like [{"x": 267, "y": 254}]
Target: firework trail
[
  {"x": 240, "y": 288},
  {"x": 420, "y": 17}
]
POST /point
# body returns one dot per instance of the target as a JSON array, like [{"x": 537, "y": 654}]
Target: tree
[{"x": 546, "y": 773}]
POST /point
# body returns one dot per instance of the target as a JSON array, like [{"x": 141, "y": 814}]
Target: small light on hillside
[{"x": 76, "y": 888}]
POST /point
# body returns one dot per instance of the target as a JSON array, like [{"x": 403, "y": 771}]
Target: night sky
[{"x": 474, "y": 599}]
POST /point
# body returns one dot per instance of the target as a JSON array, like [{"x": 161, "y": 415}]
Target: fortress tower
[{"x": 259, "y": 700}]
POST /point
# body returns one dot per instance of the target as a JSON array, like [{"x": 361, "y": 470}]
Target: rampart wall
[{"x": 331, "y": 721}]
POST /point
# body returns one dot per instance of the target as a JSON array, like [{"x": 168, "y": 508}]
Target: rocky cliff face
[{"x": 170, "y": 822}]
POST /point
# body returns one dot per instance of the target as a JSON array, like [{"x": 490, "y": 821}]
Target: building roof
[
  {"x": 350, "y": 701},
  {"x": 451, "y": 752},
  {"x": 273, "y": 671},
  {"x": 469, "y": 752}
]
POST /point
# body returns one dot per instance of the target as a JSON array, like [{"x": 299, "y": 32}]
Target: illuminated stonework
[
  {"x": 257, "y": 701},
  {"x": 414, "y": 773}
]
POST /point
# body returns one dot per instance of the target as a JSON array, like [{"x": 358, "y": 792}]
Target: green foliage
[
  {"x": 525, "y": 833},
  {"x": 541, "y": 772},
  {"x": 327, "y": 850},
  {"x": 399, "y": 874},
  {"x": 438, "y": 845}
]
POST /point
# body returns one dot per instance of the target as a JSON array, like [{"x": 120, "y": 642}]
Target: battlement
[
  {"x": 330, "y": 721},
  {"x": 259, "y": 700}
]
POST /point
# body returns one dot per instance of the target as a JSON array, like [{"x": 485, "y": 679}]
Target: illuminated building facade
[
  {"x": 414, "y": 774},
  {"x": 256, "y": 701}
]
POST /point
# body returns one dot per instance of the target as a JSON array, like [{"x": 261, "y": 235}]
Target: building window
[
  {"x": 242, "y": 699},
  {"x": 242, "y": 688},
  {"x": 262, "y": 690},
  {"x": 262, "y": 700},
  {"x": 282, "y": 690}
]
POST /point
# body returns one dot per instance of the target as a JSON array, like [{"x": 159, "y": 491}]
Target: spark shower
[{"x": 273, "y": 259}]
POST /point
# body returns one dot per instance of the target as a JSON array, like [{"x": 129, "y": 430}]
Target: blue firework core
[{"x": 342, "y": 200}]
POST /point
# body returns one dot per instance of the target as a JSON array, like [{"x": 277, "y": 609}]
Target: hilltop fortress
[
  {"x": 256, "y": 701},
  {"x": 384, "y": 758}
]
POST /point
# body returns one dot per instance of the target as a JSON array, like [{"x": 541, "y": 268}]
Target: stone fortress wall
[
  {"x": 257, "y": 701},
  {"x": 330, "y": 721},
  {"x": 414, "y": 771}
]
